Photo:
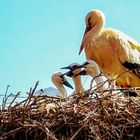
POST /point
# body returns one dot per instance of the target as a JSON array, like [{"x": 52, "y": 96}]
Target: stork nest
[{"x": 79, "y": 117}]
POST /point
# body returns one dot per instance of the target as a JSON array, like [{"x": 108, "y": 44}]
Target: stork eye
[
  {"x": 86, "y": 63},
  {"x": 62, "y": 77},
  {"x": 75, "y": 66},
  {"x": 89, "y": 21},
  {"x": 70, "y": 74}
]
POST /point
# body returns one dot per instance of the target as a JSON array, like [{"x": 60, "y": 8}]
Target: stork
[
  {"x": 59, "y": 80},
  {"x": 117, "y": 55},
  {"x": 79, "y": 89},
  {"x": 91, "y": 68}
]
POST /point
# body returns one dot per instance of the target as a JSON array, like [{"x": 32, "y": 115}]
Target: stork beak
[
  {"x": 88, "y": 28},
  {"x": 83, "y": 72},
  {"x": 68, "y": 67},
  {"x": 72, "y": 68},
  {"x": 66, "y": 83}
]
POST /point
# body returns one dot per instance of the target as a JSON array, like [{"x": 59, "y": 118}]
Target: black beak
[
  {"x": 73, "y": 67},
  {"x": 69, "y": 74},
  {"x": 83, "y": 72},
  {"x": 68, "y": 67},
  {"x": 66, "y": 83}
]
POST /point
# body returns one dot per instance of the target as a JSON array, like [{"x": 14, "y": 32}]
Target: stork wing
[
  {"x": 132, "y": 61},
  {"x": 134, "y": 45},
  {"x": 134, "y": 67},
  {"x": 133, "y": 50}
]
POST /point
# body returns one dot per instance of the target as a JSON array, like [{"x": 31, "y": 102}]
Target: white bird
[
  {"x": 79, "y": 89},
  {"x": 117, "y": 55},
  {"x": 59, "y": 81},
  {"x": 91, "y": 68}
]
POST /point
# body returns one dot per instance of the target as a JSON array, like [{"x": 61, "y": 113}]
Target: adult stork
[
  {"x": 91, "y": 68},
  {"x": 117, "y": 55}
]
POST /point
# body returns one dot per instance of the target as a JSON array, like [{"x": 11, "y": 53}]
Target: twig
[{"x": 13, "y": 100}]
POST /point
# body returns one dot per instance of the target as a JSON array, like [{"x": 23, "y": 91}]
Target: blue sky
[{"x": 37, "y": 37}]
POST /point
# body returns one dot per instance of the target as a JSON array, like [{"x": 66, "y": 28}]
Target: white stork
[
  {"x": 91, "y": 68},
  {"x": 117, "y": 55},
  {"x": 79, "y": 89},
  {"x": 59, "y": 81}
]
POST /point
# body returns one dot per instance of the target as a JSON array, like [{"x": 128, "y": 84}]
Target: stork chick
[
  {"x": 91, "y": 68},
  {"x": 79, "y": 89},
  {"x": 59, "y": 81}
]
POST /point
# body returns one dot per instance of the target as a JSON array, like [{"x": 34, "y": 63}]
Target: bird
[
  {"x": 59, "y": 80},
  {"x": 117, "y": 54},
  {"x": 102, "y": 84},
  {"x": 91, "y": 68},
  {"x": 73, "y": 70}
]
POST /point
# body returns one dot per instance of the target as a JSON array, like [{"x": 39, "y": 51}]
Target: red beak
[{"x": 88, "y": 28}]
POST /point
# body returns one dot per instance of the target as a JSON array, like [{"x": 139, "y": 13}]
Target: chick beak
[
  {"x": 66, "y": 83},
  {"x": 88, "y": 28},
  {"x": 68, "y": 67},
  {"x": 83, "y": 72}
]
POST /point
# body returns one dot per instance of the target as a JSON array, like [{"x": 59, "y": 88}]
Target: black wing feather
[{"x": 134, "y": 67}]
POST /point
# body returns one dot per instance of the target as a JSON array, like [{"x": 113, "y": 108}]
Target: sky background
[{"x": 38, "y": 37}]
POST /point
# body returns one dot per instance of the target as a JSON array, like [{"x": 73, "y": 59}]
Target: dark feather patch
[{"x": 134, "y": 67}]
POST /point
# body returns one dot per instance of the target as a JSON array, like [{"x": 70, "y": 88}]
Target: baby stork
[
  {"x": 75, "y": 69},
  {"x": 59, "y": 81}
]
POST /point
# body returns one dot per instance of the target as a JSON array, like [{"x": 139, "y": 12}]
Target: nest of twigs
[{"x": 79, "y": 117}]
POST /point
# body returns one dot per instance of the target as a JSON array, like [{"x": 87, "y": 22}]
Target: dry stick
[
  {"x": 31, "y": 94},
  {"x": 132, "y": 88},
  {"x": 4, "y": 99},
  {"x": 51, "y": 97},
  {"x": 6, "y": 91},
  {"x": 26, "y": 101},
  {"x": 11, "y": 132},
  {"x": 72, "y": 138},
  {"x": 132, "y": 116},
  {"x": 14, "y": 100},
  {"x": 95, "y": 78},
  {"x": 18, "y": 104},
  {"x": 37, "y": 83},
  {"x": 122, "y": 89},
  {"x": 135, "y": 103}
]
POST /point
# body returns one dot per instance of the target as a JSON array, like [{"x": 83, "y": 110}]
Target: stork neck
[
  {"x": 61, "y": 89},
  {"x": 96, "y": 30},
  {"x": 99, "y": 79},
  {"x": 78, "y": 85},
  {"x": 101, "y": 82}
]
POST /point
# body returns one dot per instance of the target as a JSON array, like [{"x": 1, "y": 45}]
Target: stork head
[
  {"x": 74, "y": 68},
  {"x": 59, "y": 78},
  {"x": 90, "y": 67},
  {"x": 93, "y": 18}
]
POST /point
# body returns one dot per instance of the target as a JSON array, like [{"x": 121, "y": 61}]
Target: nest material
[{"x": 79, "y": 117}]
